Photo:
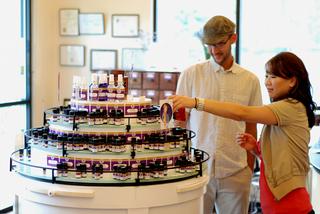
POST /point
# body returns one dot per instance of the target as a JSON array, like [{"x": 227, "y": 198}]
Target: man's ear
[{"x": 234, "y": 38}]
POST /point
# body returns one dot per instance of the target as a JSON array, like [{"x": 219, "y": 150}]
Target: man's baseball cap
[{"x": 216, "y": 29}]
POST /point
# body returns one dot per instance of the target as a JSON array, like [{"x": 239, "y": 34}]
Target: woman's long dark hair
[{"x": 288, "y": 65}]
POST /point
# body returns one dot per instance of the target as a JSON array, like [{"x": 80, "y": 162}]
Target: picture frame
[
  {"x": 125, "y": 25},
  {"x": 91, "y": 24},
  {"x": 69, "y": 22},
  {"x": 133, "y": 59},
  {"x": 72, "y": 55},
  {"x": 103, "y": 59}
]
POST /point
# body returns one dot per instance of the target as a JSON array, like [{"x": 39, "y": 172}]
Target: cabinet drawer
[
  {"x": 135, "y": 80},
  {"x": 152, "y": 94},
  {"x": 165, "y": 94},
  {"x": 168, "y": 81},
  {"x": 150, "y": 80},
  {"x": 135, "y": 92}
]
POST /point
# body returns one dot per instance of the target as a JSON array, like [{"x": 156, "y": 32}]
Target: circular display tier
[{"x": 93, "y": 171}]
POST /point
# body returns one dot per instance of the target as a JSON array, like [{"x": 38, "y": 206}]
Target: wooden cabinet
[{"x": 154, "y": 85}]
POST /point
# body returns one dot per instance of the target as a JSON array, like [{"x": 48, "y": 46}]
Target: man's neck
[{"x": 228, "y": 63}]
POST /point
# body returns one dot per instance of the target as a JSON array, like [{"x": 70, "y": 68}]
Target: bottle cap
[
  {"x": 83, "y": 83},
  {"x": 76, "y": 80},
  {"x": 111, "y": 78},
  {"x": 120, "y": 78},
  {"x": 94, "y": 78},
  {"x": 103, "y": 78}
]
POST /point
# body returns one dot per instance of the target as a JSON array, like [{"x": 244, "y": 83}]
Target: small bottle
[
  {"x": 21, "y": 151},
  {"x": 35, "y": 135},
  {"x": 59, "y": 142},
  {"x": 78, "y": 170},
  {"x": 141, "y": 169},
  {"x": 103, "y": 87},
  {"x": 76, "y": 88},
  {"x": 115, "y": 172},
  {"x": 59, "y": 169},
  {"x": 83, "y": 170},
  {"x": 97, "y": 171},
  {"x": 45, "y": 140},
  {"x": 65, "y": 169},
  {"x": 161, "y": 170},
  {"x": 120, "y": 93},
  {"x": 94, "y": 88},
  {"x": 83, "y": 90},
  {"x": 69, "y": 143},
  {"x": 111, "y": 89},
  {"x": 29, "y": 154}
]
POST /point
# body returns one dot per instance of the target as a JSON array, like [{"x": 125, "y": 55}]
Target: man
[{"x": 230, "y": 167}]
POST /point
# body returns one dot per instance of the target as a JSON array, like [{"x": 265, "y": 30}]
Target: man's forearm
[{"x": 251, "y": 128}]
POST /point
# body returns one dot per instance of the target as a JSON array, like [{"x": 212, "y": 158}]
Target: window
[
  {"x": 268, "y": 27},
  {"x": 178, "y": 29},
  {"x": 265, "y": 29},
  {"x": 14, "y": 87}
]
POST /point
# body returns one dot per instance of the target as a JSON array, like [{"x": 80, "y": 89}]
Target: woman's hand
[
  {"x": 247, "y": 141},
  {"x": 182, "y": 101}
]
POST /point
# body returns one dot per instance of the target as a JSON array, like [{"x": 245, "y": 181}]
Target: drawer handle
[{"x": 63, "y": 193}]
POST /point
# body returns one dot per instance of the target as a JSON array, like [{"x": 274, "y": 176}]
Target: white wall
[{"x": 46, "y": 41}]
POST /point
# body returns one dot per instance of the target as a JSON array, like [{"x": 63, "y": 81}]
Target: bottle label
[
  {"x": 83, "y": 95},
  {"x": 73, "y": 96},
  {"x": 94, "y": 94},
  {"x": 111, "y": 93},
  {"x": 120, "y": 96},
  {"x": 103, "y": 94}
]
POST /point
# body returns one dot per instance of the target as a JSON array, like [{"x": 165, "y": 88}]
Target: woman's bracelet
[
  {"x": 195, "y": 103},
  {"x": 199, "y": 104}
]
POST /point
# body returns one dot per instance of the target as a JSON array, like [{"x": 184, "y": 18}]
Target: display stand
[
  {"x": 179, "y": 197},
  {"x": 108, "y": 157}
]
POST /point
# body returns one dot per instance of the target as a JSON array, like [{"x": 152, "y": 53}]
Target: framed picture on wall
[
  {"x": 72, "y": 55},
  {"x": 91, "y": 23},
  {"x": 102, "y": 59},
  {"x": 69, "y": 22},
  {"x": 125, "y": 25},
  {"x": 133, "y": 59}
]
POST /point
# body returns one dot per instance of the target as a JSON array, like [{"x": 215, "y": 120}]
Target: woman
[{"x": 283, "y": 145}]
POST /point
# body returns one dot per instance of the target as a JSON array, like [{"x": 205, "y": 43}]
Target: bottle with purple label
[
  {"x": 103, "y": 87},
  {"x": 111, "y": 89},
  {"x": 76, "y": 88},
  {"x": 83, "y": 90},
  {"x": 94, "y": 88},
  {"x": 120, "y": 94}
]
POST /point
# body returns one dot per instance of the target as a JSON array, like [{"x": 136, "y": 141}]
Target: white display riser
[{"x": 38, "y": 197}]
